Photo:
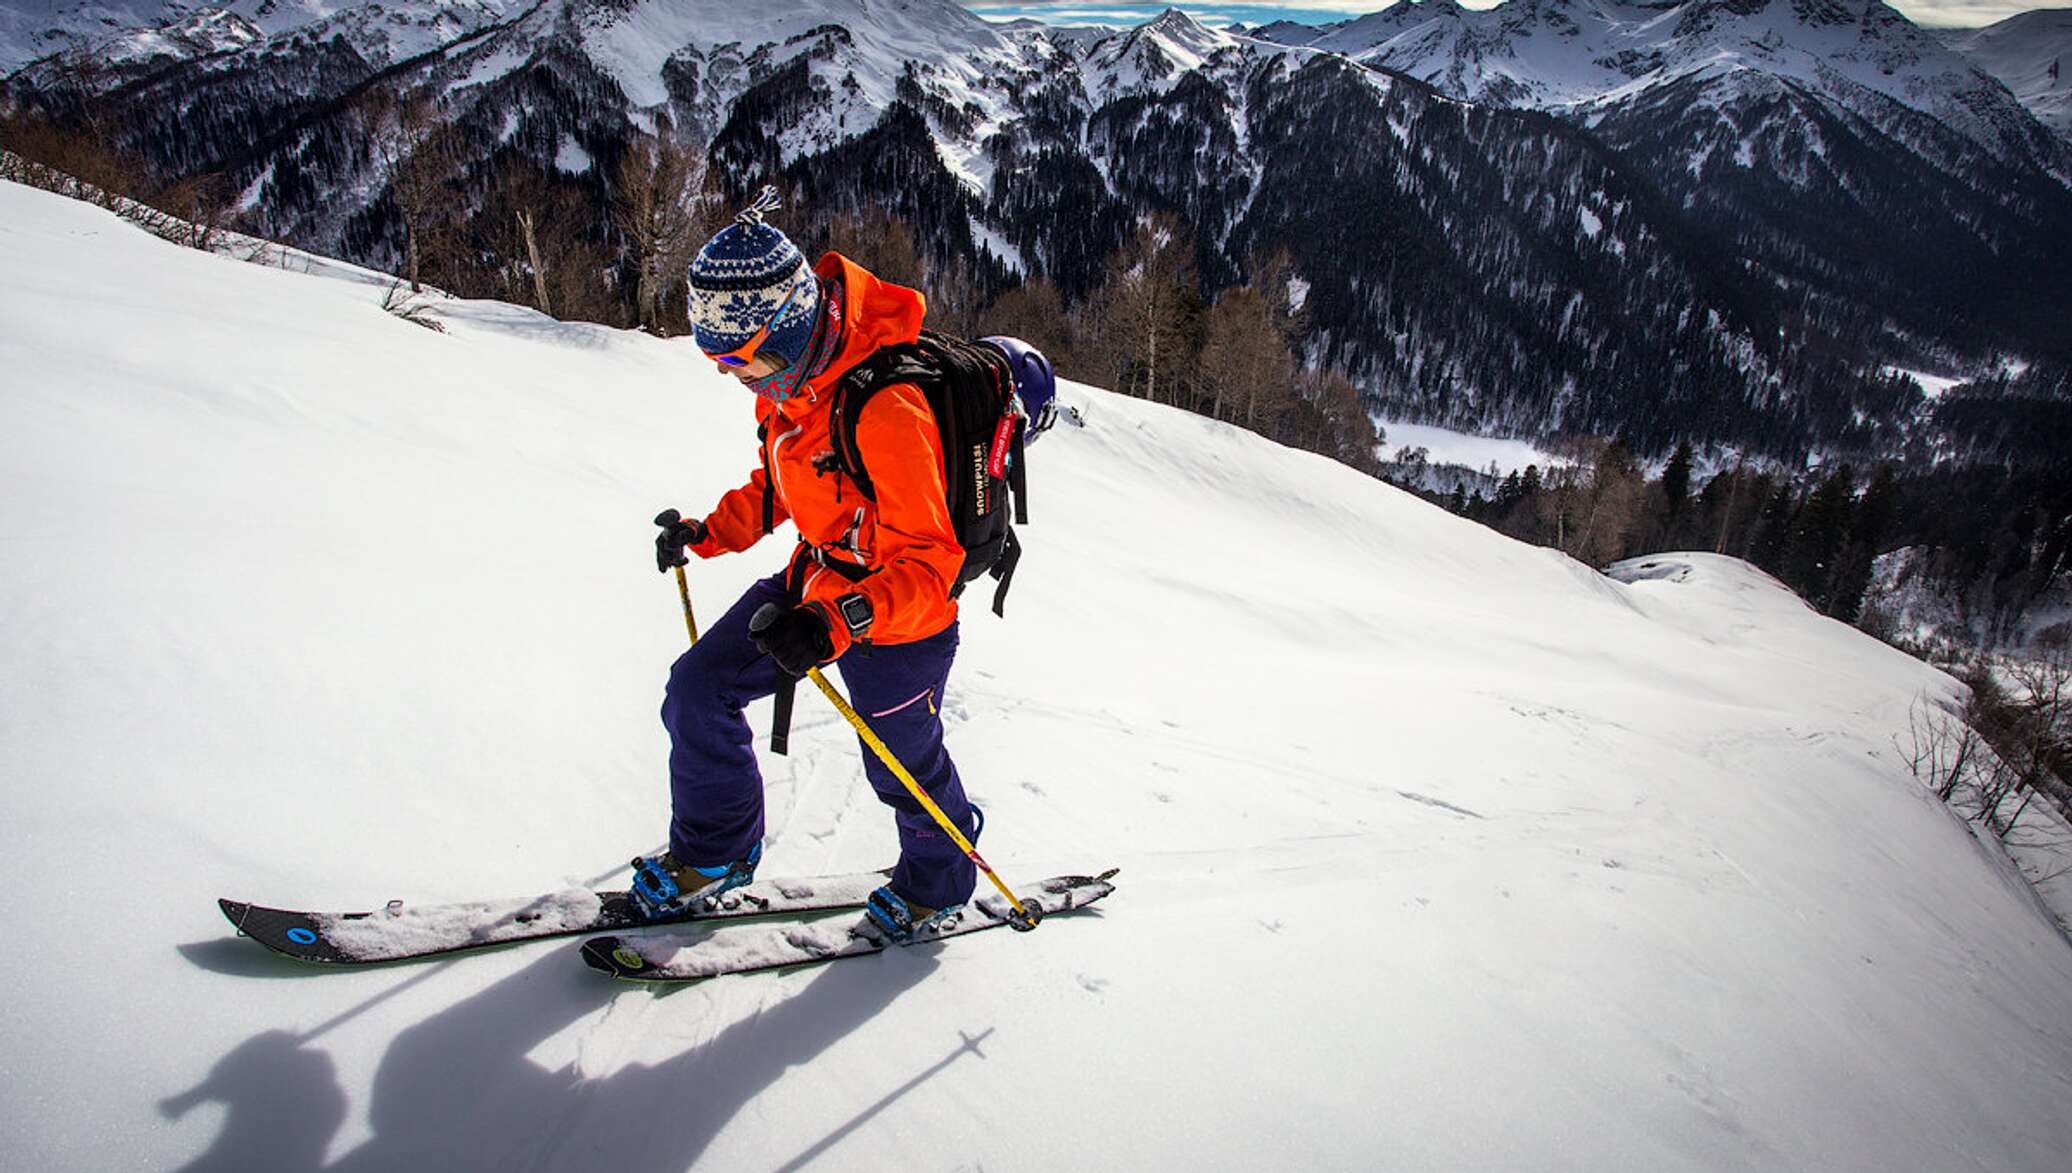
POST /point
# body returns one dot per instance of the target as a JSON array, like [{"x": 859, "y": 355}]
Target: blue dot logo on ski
[{"x": 302, "y": 936}]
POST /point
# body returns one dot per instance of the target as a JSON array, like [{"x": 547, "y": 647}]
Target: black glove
[
  {"x": 676, "y": 534},
  {"x": 797, "y": 639}
]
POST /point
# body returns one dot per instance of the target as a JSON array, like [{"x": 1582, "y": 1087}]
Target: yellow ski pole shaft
[
  {"x": 1022, "y": 918},
  {"x": 683, "y": 590}
]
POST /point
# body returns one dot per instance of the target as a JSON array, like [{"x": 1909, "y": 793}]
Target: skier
[{"x": 869, "y": 584}]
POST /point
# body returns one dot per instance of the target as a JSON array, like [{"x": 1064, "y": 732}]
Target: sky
[{"x": 1962, "y": 13}]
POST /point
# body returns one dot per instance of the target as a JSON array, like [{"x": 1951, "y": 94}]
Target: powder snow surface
[{"x": 1438, "y": 851}]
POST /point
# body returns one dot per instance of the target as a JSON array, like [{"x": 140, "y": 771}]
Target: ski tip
[{"x": 613, "y": 956}]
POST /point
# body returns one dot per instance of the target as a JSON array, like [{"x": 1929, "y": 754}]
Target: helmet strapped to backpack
[
  {"x": 972, "y": 392},
  {"x": 1036, "y": 385}
]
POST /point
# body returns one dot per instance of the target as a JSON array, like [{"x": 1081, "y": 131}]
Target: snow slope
[{"x": 1438, "y": 851}]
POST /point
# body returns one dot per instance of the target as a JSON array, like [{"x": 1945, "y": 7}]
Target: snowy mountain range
[
  {"x": 1714, "y": 220},
  {"x": 1583, "y": 57},
  {"x": 2032, "y": 54},
  {"x": 1438, "y": 851}
]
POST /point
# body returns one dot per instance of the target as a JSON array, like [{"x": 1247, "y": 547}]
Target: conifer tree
[
  {"x": 1817, "y": 534},
  {"x": 1676, "y": 478}
]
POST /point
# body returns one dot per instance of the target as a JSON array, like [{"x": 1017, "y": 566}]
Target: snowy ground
[{"x": 1438, "y": 851}]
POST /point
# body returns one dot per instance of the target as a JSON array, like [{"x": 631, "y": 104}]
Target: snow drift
[{"x": 1437, "y": 850}]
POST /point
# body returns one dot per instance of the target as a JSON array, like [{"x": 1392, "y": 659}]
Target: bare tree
[
  {"x": 658, "y": 184},
  {"x": 1327, "y": 416},
  {"x": 1613, "y": 501},
  {"x": 511, "y": 225},
  {"x": 1137, "y": 318},
  {"x": 1943, "y": 749},
  {"x": 882, "y": 243},
  {"x": 1245, "y": 364},
  {"x": 107, "y": 174},
  {"x": 418, "y": 148},
  {"x": 1035, "y": 313},
  {"x": 203, "y": 204},
  {"x": 1557, "y": 509},
  {"x": 1274, "y": 276},
  {"x": 2031, "y": 730}
]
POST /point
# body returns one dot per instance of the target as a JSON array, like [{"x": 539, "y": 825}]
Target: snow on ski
[
  {"x": 404, "y": 932},
  {"x": 669, "y": 957}
]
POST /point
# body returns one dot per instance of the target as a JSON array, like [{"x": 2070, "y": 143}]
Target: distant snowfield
[
  {"x": 1476, "y": 452},
  {"x": 1438, "y": 851},
  {"x": 1933, "y": 386}
]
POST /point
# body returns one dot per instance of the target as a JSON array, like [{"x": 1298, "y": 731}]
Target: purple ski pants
[{"x": 716, "y": 788}]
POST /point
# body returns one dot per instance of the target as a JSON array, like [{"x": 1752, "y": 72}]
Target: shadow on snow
[{"x": 457, "y": 1090}]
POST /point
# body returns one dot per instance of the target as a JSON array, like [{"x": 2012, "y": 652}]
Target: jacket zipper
[{"x": 775, "y": 464}]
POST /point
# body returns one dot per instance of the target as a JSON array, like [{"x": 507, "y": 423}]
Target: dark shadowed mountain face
[{"x": 1719, "y": 221}]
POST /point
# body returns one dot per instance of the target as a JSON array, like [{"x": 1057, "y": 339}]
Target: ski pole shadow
[{"x": 819, "y": 1148}]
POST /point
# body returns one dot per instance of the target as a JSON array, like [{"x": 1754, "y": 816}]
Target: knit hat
[{"x": 750, "y": 275}]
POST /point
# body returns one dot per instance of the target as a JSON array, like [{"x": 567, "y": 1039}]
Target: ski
[
  {"x": 743, "y": 949},
  {"x": 405, "y": 932}
]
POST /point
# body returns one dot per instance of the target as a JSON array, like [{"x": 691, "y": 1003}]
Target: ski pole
[
  {"x": 1022, "y": 918},
  {"x": 683, "y": 590}
]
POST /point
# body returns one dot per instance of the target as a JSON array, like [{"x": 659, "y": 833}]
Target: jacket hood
[{"x": 878, "y": 314}]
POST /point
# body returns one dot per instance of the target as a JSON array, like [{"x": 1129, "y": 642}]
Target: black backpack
[{"x": 971, "y": 392}]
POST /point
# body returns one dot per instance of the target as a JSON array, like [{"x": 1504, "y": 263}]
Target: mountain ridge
[{"x": 1763, "y": 243}]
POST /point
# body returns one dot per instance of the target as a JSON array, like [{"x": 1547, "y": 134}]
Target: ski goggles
[{"x": 752, "y": 349}]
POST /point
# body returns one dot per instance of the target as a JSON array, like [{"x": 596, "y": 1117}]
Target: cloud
[{"x": 1963, "y": 13}]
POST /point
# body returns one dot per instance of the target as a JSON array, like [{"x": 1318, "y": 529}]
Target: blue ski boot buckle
[
  {"x": 654, "y": 890},
  {"x": 657, "y": 895}
]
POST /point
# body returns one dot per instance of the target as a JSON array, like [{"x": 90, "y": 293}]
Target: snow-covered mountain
[
  {"x": 157, "y": 31},
  {"x": 1740, "y": 214},
  {"x": 1577, "y": 56},
  {"x": 1437, "y": 851},
  {"x": 2032, "y": 54}
]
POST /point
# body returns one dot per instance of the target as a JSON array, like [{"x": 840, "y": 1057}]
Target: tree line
[
  {"x": 1992, "y": 537},
  {"x": 611, "y": 243}
]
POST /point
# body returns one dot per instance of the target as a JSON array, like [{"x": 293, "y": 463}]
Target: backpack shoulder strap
[
  {"x": 762, "y": 443},
  {"x": 907, "y": 362}
]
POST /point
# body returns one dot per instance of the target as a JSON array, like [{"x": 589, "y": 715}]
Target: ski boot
[
  {"x": 664, "y": 889},
  {"x": 901, "y": 921}
]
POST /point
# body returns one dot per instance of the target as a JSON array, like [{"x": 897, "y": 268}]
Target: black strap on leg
[
  {"x": 1003, "y": 569},
  {"x": 787, "y": 684}
]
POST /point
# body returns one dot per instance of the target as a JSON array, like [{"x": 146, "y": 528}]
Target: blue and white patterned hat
[{"x": 743, "y": 277}]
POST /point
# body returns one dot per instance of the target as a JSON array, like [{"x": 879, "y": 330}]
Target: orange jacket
[{"x": 904, "y": 537}]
